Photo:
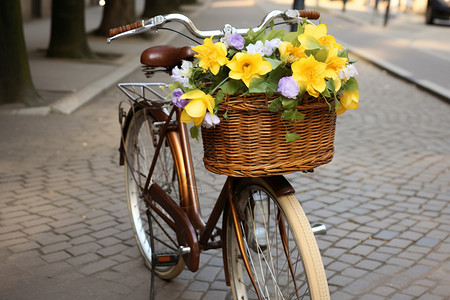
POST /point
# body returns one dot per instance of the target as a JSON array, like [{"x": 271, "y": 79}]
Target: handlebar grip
[
  {"x": 310, "y": 14},
  {"x": 120, "y": 29}
]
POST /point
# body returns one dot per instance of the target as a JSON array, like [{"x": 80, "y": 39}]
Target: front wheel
[{"x": 282, "y": 252}]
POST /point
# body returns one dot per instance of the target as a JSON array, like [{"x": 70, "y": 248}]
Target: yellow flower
[
  {"x": 289, "y": 53},
  {"x": 212, "y": 56},
  {"x": 310, "y": 75},
  {"x": 340, "y": 109},
  {"x": 330, "y": 41},
  {"x": 349, "y": 100},
  {"x": 245, "y": 67},
  {"x": 195, "y": 110},
  {"x": 334, "y": 65},
  {"x": 317, "y": 33}
]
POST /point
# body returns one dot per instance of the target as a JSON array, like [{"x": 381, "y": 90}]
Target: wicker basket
[{"x": 251, "y": 142}]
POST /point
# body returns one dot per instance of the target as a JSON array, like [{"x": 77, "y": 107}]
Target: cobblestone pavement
[{"x": 65, "y": 233}]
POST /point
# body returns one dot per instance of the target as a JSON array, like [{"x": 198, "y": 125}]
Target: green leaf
[
  {"x": 276, "y": 74},
  {"x": 194, "y": 132},
  {"x": 289, "y": 103},
  {"x": 275, "y": 105},
  {"x": 231, "y": 86},
  {"x": 321, "y": 55},
  {"x": 326, "y": 93},
  {"x": 219, "y": 97},
  {"x": 274, "y": 34},
  {"x": 292, "y": 115},
  {"x": 290, "y": 37},
  {"x": 252, "y": 36},
  {"x": 331, "y": 85},
  {"x": 257, "y": 85},
  {"x": 274, "y": 62},
  {"x": 351, "y": 85},
  {"x": 291, "y": 136},
  {"x": 175, "y": 85},
  {"x": 343, "y": 53},
  {"x": 225, "y": 115}
]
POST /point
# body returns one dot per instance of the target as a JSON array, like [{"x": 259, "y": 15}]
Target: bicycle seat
[{"x": 166, "y": 56}]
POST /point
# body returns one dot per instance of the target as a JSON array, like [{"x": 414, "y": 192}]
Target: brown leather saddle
[{"x": 166, "y": 56}]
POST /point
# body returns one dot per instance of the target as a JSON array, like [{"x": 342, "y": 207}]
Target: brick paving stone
[
  {"x": 55, "y": 247},
  {"x": 83, "y": 259},
  {"x": 400, "y": 296},
  {"x": 427, "y": 242},
  {"x": 56, "y": 256},
  {"x": 112, "y": 250},
  {"x": 214, "y": 295},
  {"x": 24, "y": 247},
  {"x": 12, "y": 235},
  {"x": 83, "y": 248},
  {"x": 384, "y": 291},
  {"x": 98, "y": 266},
  {"x": 15, "y": 241}
]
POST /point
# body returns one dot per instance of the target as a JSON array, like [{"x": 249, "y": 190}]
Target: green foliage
[{"x": 291, "y": 136}]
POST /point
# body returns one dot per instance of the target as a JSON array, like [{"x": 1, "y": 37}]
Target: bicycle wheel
[
  {"x": 140, "y": 143},
  {"x": 283, "y": 256}
]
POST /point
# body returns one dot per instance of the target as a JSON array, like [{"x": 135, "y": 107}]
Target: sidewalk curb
[{"x": 70, "y": 103}]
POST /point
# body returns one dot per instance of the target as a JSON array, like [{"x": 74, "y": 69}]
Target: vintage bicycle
[{"x": 269, "y": 248}]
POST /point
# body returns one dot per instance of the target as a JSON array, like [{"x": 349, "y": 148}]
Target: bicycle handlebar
[{"x": 289, "y": 16}]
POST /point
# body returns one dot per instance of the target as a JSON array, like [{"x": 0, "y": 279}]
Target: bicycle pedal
[{"x": 166, "y": 259}]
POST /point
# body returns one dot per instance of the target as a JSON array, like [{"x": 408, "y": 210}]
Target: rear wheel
[
  {"x": 140, "y": 143},
  {"x": 283, "y": 256}
]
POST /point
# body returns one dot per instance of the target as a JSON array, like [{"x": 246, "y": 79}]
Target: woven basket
[{"x": 252, "y": 143}]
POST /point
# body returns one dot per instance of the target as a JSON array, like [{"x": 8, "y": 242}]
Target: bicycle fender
[
  {"x": 279, "y": 185},
  {"x": 186, "y": 234},
  {"x": 125, "y": 120}
]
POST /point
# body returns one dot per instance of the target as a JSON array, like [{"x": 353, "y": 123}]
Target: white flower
[
  {"x": 182, "y": 74},
  {"x": 348, "y": 72},
  {"x": 265, "y": 49}
]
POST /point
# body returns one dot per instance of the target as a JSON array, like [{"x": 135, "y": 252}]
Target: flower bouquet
[{"x": 278, "y": 74}]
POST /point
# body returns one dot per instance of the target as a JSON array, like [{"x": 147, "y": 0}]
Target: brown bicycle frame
[{"x": 187, "y": 215}]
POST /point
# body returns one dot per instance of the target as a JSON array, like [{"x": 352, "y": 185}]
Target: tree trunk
[
  {"x": 16, "y": 84},
  {"x": 116, "y": 13},
  {"x": 68, "y": 37},
  {"x": 159, "y": 7}
]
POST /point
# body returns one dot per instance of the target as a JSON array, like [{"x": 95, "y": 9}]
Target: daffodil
[
  {"x": 289, "y": 53},
  {"x": 334, "y": 66},
  {"x": 212, "y": 56},
  {"x": 245, "y": 67},
  {"x": 317, "y": 34},
  {"x": 196, "y": 109},
  {"x": 310, "y": 75},
  {"x": 340, "y": 109},
  {"x": 350, "y": 100}
]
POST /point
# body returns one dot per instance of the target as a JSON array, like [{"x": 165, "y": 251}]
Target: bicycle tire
[
  {"x": 259, "y": 219},
  {"x": 140, "y": 139}
]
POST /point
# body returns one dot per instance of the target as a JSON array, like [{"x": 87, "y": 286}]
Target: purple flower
[
  {"x": 176, "y": 94},
  {"x": 236, "y": 41},
  {"x": 210, "y": 120},
  {"x": 288, "y": 87}
]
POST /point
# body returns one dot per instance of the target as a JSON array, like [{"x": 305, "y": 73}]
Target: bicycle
[{"x": 269, "y": 248}]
